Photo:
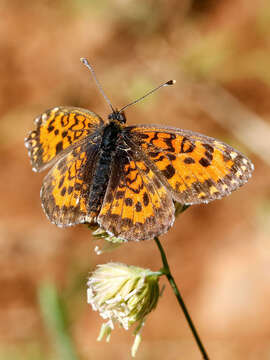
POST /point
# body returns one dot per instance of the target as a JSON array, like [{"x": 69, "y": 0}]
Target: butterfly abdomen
[{"x": 103, "y": 167}]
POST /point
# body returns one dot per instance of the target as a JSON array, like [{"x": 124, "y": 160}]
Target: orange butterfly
[{"x": 125, "y": 178}]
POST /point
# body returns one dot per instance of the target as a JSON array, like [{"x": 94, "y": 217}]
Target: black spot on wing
[
  {"x": 61, "y": 182},
  {"x": 119, "y": 195},
  {"x": 209, "y": 155},
  {"x": 145, "y": 199},
  {"x": 171, "y": 156},
  {"x": 169, "y": 171},
  {"x": 59, "y": 147},
  {"x": 208, "y": 147},
  {"x": 204, "y": 162},
  {"x": 138, "y": 206},
  {"x": 189, "y": 160},
  {"x": 128, "y": 201}
]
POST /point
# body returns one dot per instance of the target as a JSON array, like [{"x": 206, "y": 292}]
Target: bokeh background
[{"x": 219, "y": 53}]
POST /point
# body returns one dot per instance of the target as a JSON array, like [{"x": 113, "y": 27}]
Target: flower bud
[
  {"x": 179, "y": 208},
  {"x": 111, "y": 242},
  {"x": 102, "y": 234}
]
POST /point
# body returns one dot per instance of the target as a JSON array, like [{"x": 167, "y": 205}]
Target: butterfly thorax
[{"x": 110, "y": 136}]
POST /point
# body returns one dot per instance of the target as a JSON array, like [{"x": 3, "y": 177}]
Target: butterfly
[{"x": 127, "y": 178}]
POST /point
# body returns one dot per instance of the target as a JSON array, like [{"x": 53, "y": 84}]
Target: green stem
[{"x": 166, "y": 271}]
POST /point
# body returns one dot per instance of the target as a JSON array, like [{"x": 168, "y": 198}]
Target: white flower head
[{"x": 123, "y": 294}]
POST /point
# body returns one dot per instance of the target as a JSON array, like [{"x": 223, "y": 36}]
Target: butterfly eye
[{"x": 122, "y": 117}]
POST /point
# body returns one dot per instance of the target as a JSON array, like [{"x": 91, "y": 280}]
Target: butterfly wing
[
  {"x": 65, "y": 190},
  {"x": 137, "y": 205},
  {"x": 57, "y": 130},
  {"x": 194, "y": 167}
]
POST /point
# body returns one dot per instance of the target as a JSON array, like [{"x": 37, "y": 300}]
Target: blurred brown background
[{"x": 219, "y": 53}]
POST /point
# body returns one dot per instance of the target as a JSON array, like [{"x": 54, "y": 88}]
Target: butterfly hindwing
[
  {"x": 65, "y": 189},
  {"x": 57, "y": 130},
  {"x": 194, "y": 167},
  {"x": 137, "y": 206}
]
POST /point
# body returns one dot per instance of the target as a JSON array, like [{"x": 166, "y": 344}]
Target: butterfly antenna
[
  {"x": 86, "y": 63},
  {"x": 167, "y": 83}
]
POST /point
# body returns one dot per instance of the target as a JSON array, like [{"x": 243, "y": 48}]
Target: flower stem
[{"x": 166, "y": 271}]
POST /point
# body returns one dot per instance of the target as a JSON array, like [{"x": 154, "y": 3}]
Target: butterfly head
[{"x": 118, "y": 116}]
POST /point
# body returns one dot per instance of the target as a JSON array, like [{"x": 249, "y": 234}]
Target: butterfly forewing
[
  {"x": 194, "y": 167},
  {"x": 56, "y": 131}
]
